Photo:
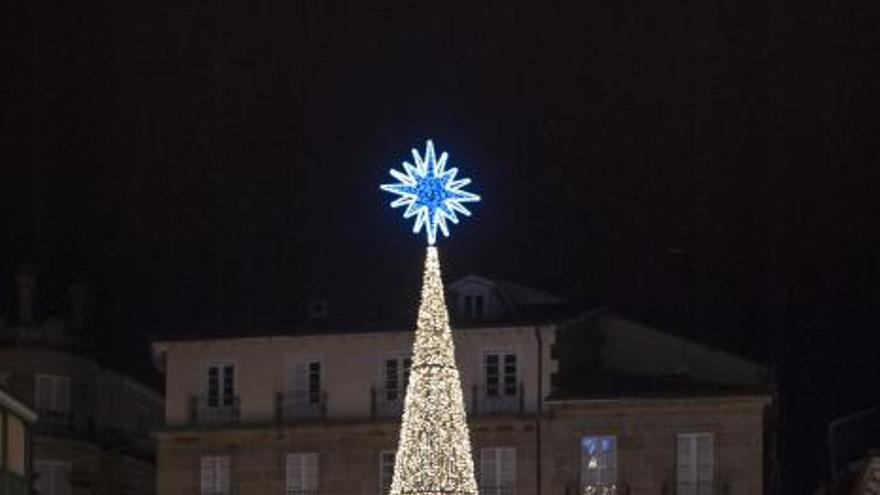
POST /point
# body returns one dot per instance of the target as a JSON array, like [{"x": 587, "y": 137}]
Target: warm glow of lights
[{"x": 434, "y": 452}]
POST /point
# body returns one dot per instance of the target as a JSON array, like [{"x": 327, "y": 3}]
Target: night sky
[{"x": 707, "y": 167}]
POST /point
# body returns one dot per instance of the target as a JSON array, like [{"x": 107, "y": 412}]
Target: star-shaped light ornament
[{"x": 430, "y": 192}]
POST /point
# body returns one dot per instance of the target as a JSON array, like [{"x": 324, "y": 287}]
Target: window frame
[
  {"x": 221, "y": 364},
  {"x": 216, "y": 489},
  {"x": 694, "y": 439},
  {"x": 303, "y": 457},
  {"x": 615, "y": 466},
  {"x": 502, "y": 355},
  {"x": 498, "y": 483},
  {"x": 310, "y": 396}
]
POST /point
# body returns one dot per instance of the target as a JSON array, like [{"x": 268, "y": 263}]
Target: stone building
[
  {"x": 16, "y": 448},
  {"x": 92, "y": 435},
  {"x": 560, "y": 402}
]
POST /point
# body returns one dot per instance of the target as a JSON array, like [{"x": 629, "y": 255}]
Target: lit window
[
  {"x": 695, "y": 464},
  {"x": 302, "y": 474},
  {"x": 497, "y": 471},
  {"x": 215, "y": 475},
  {"x": 599, "y": 465}
]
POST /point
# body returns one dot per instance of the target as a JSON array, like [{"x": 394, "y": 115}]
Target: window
[
  {"x": 500, "y": 374},
  {"x": 16, "y": 445},
  {"x": 598, "y": 465},
  {"x": 396, "y": 373},
  {"x": 305, "y": 380},
  {"x": 695, "y": 464},
  {"x": 2, "y": 443},
  {"x": 302, "y": 474},
  {"x": 215, "y": 475},
  {"x": 221, "y": 385},
  {"x": 478, "y": 307},
  {"x": 53, "y": 394},
  {"x": 468, "y": 306},
  {"x": 497, "y": 470},
  {"x": 53, "y": 478},
  {"x": 386, "y": 471}
]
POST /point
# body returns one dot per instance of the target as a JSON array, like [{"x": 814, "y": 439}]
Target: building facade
[
  {"x": 92, "y": 435},
  {"x": 319, "y": 412},
  {"x": 16, "y": 448}
]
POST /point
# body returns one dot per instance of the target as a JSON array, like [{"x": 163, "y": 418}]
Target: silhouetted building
[
  {"x": 92, "y": 435},
  {"x": 854, "y": 450},
  {"x": 16, "y": 448},
  {"x": 561, "y": 401}
]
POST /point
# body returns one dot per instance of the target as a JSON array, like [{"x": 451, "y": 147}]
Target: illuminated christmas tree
[{"x": 434, "y": 451}]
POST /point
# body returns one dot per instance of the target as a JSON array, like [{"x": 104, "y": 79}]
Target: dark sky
[{"x": 707, "y": 166}]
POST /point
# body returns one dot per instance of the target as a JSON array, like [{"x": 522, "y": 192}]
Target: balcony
[
  {"x": 62, "y": 424},
  {"x": 386, "y": 403},
  {"x": 497, "y": 489},
  {"x": 485, "y": 403},
  {"x": 300, "y": 405},
  {"x": 214, "y": 411}
]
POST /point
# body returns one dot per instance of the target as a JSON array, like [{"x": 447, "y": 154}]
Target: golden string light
[{"x": 434, "y": 451}]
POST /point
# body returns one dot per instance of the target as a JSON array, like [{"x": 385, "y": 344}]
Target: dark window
[
  {"x": 468, "y": 306},
  {"x": 213, "y": 386},
  {"x": 510, "y": 374},
  {"x": 228, "y": 385},
  {"x": 478, "y": 306},
  {"x": 492, "y": 377},
  {"x": 314, "y": 382}
]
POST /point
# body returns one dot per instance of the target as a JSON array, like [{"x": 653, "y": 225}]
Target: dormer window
[{"x": 472, "y": 304}]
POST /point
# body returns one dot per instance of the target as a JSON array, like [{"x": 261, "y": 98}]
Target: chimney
[
  {"x": 79, "y": 299},
  {"x": 25, "y": 283}
]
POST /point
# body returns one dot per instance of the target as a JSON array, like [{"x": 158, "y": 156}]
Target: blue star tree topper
[{"x": 430, "y": 192}]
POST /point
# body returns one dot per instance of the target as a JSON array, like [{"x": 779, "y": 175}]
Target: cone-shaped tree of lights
[{"x": 434, "y": 451}]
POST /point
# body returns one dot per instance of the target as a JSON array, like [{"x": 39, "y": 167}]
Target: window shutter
[
  {"x": 310, "y": 472},
  {"x": 705, "y": 460},
  {"x": 507, "y": 465},
  {"x": 488, "y": 469},
  {"x": 223, "y": 475},
  {"x": 686, "y": 464},
  {"x": 207, "y": 474},
  {"x": 294, "y": 478},
  {"x": 297, "y": 377}
]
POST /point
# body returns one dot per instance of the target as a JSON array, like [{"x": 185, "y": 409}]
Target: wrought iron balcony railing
[
  {"x": 498, "y": 400},
  {"x": 214, "y": 410},
  {"x": 300, "y": 405}
]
